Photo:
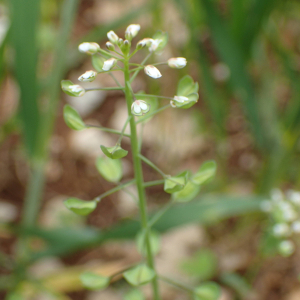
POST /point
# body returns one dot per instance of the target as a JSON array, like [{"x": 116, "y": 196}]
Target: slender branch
[
  {"x": 123, "y": 130},
  {"x": 160, "y": 213},
  {"x": 107, "y": 130},
  {"x": 176, "y": 284},
  {"x": 115, "y": 79},
  {"x": 137, "y": 71},
  {"x": 153, "y": 183},
  {"x": 115, "y": 189},
  {"x": 154, "y": 96},
  {"x": 105, "y": 89},
  {"x": 152, "y": 165},
  {"x": 110, "y": 54},
  {"x": 152, "y": 113},
  {"x": 133, "y": 52},
  {"x": 102, "y": 72},
  {"x": 141, "y": 137}
]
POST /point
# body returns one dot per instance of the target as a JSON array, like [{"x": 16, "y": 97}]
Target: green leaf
[
  {"x": 98, "y": 62},
  {"x": 110, "y": 169},
  {"x": 187, "y": 86},
  {"x": 205, "y": 173},
  {"x": 72, "y": 118},
  {"x": 115, "y": 152},
  {"x": 68, "y": 87},
  {"x": 80, "y": 207},
  {"x": 154, "y": 241},
  {"x": 134, "y": 295},
  {"x": 207, "y": 291},
  {"x": 139, "y": 275},
  {"x": 188, "y": 193},
  {"x": 202, "y": 265},
  {"x": 94, "y": 281},
  {"x": 175, "y": 183},
  {"x": 163, "y": 37}
]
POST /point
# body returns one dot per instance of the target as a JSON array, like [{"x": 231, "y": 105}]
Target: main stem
[{"x": 138, "y": 172}]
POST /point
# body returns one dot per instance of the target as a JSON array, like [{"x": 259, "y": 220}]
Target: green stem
[
  {"x": 176, "y": 284},
  {"x": 152, "y": 113},
  {"x": 123, "y": 130},
  {"x": 153, "y": 183},
  {"x": 115, "y": 189},
  {"x": 153, "y": 96},
  {"x": 139, "y": 178},
  {"x": 105, "y": 89},
  {"x": 152, "y": 165},
  {"x": 160, "y": 213},
  {"x": 107, "y": 130},
  {"x": 137, "y": 71},
  {"x": 110, "y": 54}
]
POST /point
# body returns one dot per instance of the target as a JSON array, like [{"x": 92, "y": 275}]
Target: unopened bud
[
  {"x": 125, "y": 48},
  {"x": 131, "y": 31},
  {"x": 152, "y": 71},
  {"x": 110, "y": 46},
  {"x": 120, "y": 42},
  {"x": 144, "y": 42},
  {"x": 89, "y": 48},
  {"x": 177, "y": 62},
  {"x": 139, "y": 107},
  {"x": 112, "y": 36},
  {"x": 109, "y": 64},
  {"x": 88, "y": 76},
  {"x": 154, "y": 45}
]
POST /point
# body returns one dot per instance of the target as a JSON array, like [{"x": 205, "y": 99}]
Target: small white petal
[
  {"x": 152, "y": 71},
  {"x": 136, "y": 108},
  {"x": 286, "y": 248},
  {"x": 79, "y": 90},
  {"x": 143, "y": 105},
  {"x": 281, "y": 229},
  {"x": 88, "y": 76},
  {"x": 173, "y": 104},
  {"x": 108, "y": 64}
]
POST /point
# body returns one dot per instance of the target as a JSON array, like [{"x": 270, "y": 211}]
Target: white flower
[
  {"x": 88, "y": 76},
  {"x": 144, "y": 42},
  {"x": 132, "y": 30},
  {"x": 296, "y": 226},
  {"x": 112, "y": 36},
  {"x": 77, "y": 90},
  {"x": 154, "y": 45},
  {"x": 281, "y": 229},
  {"x": 152, "y": 71},
  {"x": 109, "y": 64},
  {"x": 89, "y": 48},
  {"x": 139, "y": 107},
  {"x": 177, "y": 62},
  {"x": 286, "y": 247},
  {"x": 110, "y": 46}
]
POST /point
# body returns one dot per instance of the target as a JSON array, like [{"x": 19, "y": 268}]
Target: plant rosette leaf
[
  {"x": 139, "y": 275},
  {"x": 115, "y": 152},
  {"x": 154, "y": 238},
  {"x": 110, "y": 169},
  {"x": 72, "y": 118},
  {"x": 72, "y": 89},
  {"x": 80, "y": 207},
  {"x": 175, "y": 183},
  {"x": 207, "y": 291},
  {"x": 206, "y": 172},
  {"x": 188, "y": 193},
  {"x": 94, "y": 281}
]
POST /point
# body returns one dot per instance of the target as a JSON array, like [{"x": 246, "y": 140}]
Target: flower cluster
[{"x": 284, "y": 210}]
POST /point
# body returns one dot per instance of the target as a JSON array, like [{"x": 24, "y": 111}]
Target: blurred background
[{"x": 245, "y": 54}]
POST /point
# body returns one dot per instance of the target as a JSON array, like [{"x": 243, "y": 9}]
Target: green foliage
[
  {"x": 98, "y": 62},
  {"x": 175, "y": 183},
  {"x": 154, "y": 239},
  {"x": 205, "y": 173},
  {"x": 188, "y": 193},
  {"x": 202, "y": 265},
  {"x": 72, "y": 118},
  {"x": 80, "y": 207},
  {"x": 115, "y": 152},
  {"x": 110, "y": 169},
  {"x": 139, "y": 275},
  {"x": 134, "y": 295},
  {"x": 94, "y": 281},
  {"x": 207, "y": 291}
]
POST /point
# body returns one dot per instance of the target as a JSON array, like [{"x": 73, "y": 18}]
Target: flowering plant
[{"x": 183, "y": 187}]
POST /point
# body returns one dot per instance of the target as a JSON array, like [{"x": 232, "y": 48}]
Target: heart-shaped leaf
[
  {"x": 115, "y": 152},
  {"x": 187, "y": 86},
  {"x": 80, "y": 207},
  {"x": 110, "y": 169},
  {"x": 207, "y": 291},
  {"x": 139, "y": 275},
  {"x": 94, "y": 281},
  {"x": 175, "y": 183},
  {"x": 72, "y": 118},
  {"x": 188, "y": 193}
]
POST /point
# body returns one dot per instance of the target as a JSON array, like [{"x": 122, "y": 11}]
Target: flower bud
[
  {"x": 286, "y": 248},
  {"x": 152, "y": 71},
  {"x": 144, "y": 42},
  {"x": 184, "y": 102},
  {"x": 112, "y": 36},
  {"x": 110, "y": 46},
  {"x": 109, "y": 64},
  {"x": 76, "y": 90},
  {"x": 120, "y": 42},
  {"x": 131, "y": 31},
  {"x": 139, "y": 107},
  {"x": 177, "y": 62},
  {"x": 88, "y": 76},
  {"x": 89, "y": 48},
  {"x": 154, "y": 45},
  {"x": 125, "y": 47}
]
